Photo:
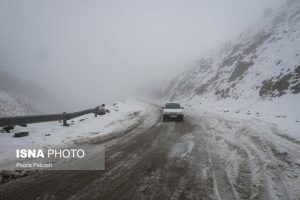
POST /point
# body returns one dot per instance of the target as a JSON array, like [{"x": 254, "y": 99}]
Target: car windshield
[{"x": 172, "y": 106}]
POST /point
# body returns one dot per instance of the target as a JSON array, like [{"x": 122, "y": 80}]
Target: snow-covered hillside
[
  {"x": 257, "y": 75},
  {"x": 21, "y": 97},
  {"x": 10, "y": 107}
]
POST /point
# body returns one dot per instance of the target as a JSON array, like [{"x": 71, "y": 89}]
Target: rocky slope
[
  {"x": 10, "y": 107},
  {"x": 20, "y": 97},
  {"x": 259, "y": 71}
]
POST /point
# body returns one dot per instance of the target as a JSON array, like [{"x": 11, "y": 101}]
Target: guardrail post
[
  {"x": 97, "y": 109},
  {"x": 65, "y": 119}
]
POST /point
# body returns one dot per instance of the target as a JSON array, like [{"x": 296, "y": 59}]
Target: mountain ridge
[
  {"x": 257, "y": 75},
  {"x": 260, "y": 51},
  {"x": 20, "y": 97}
]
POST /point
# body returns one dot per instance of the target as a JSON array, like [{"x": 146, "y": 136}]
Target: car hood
[{"x": 172, "y": 111}]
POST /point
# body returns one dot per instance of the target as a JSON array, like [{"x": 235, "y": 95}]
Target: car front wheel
[
  {"x": 181, "y": 118},
  {"x": 164, "y": 118}
]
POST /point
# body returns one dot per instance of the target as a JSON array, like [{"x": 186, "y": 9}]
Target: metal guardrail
[{"x": 20, "y": 120}]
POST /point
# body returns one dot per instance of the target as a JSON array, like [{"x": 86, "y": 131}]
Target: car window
[{"x": 172, "y": 106}]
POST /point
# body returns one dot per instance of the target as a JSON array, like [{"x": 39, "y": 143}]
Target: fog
[{"x": 92, "y": 52}]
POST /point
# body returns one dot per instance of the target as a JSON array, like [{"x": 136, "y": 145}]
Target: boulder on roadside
[
  {"x": 8, "y": 128},
  {"x": 23, "y": 125},
  {"x": 21, "y": 134}
]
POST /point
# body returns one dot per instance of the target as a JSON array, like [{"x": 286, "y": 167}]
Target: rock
[
  {"x": 8, "y": 128},
  {"x": 48, "y": 134},
  {"x": 23, "y": 125},
  {"x": 21, "y": 134},
  {"x": 6, "y": 176}
]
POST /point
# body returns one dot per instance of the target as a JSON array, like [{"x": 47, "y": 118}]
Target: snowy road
[{"x": 204, "y": 157}]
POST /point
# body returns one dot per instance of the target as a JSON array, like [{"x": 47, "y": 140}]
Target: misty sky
[{"x": 88, "y": 52}]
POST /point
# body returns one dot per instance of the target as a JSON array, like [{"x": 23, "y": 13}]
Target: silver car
[{"x": 173, "y": 111}]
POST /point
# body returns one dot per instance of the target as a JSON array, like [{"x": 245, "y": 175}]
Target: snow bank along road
[{"x": 204, "y": 157}]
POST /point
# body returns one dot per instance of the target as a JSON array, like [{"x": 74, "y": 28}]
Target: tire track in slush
[
  {"x": 149, "y": 176},
  {"x": 222, "y": 185},
  {"x": 272, "y": 177},
  {"x": 243, "y": 182},
  {"x": 257, "y": 158}
]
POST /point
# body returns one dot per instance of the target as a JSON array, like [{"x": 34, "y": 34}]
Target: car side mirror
[
  {"x": 162, "y": 107},
  {"x": 182, "y": 107}
]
